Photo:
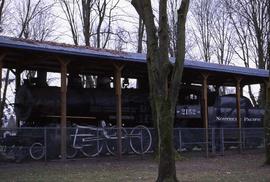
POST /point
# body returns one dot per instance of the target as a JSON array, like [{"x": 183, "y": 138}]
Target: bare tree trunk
[
  {"x": 86, "y": 18},
  {"x": 262, "y": 96},
  {"x": 69, "y": 12},
  {"x": 164, "y": 78},
  {"x": 2, "y": 4},
  {"x": 101, "y": 8},
  {"x": 251, "y": 95},
  {"x": 3, "y": 103},
  {"x": 140, "y": 35},
  {"x": 267, "y": 116},
  {"x": 25, "y": 22},
  {"x": 166, "y": 170},
  {"x": 267, "y": 108},
  {"x": 267, "y": 125}
]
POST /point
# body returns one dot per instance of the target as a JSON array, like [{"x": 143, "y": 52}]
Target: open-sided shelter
[{"x": 19, "y": 55}]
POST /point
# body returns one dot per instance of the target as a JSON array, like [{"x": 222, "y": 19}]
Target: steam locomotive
[{"x": 36, "y": 103}]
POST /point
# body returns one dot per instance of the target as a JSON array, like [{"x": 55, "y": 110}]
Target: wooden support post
[
  {"x": 205, "y": 111},
  {"x": 63, "y": 113},
  {"x": 266, "y": 120},
  {"x": 18, "y": 79},
  {"x": 266, "y": 91},
  {"x": 118, "y": 93},
  {"x": 238, "y": 110},
  {"x": 1, "y": 66},
  {"x": 17, "y": 86}
]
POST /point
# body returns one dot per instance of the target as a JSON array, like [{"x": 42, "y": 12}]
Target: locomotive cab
[{"x": 188, "y": 109}]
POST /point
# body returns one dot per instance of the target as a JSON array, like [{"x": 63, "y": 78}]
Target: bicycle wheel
[
  {"x": 140, "y": 139},
  {"x": 37, "y": 151},
  {"x": 112, "y": 139}
]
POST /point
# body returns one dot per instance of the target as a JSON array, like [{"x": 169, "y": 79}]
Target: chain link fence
[{"x": 83, "y": 141}]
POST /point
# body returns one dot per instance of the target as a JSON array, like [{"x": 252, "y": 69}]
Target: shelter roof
[{"x": 126, "y": 57}]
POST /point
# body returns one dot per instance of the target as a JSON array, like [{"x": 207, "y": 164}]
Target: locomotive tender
[{"x": 36, "y": 103}]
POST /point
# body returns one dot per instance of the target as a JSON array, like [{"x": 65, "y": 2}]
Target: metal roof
[
  {"x": 227, "y": 68},
  {"x": 51, "y": 47}
]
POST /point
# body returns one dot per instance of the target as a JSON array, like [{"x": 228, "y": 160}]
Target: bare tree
[
  {"x": 26, "y": 11},
  {"x": 253, "y": 16},
  {"x": 244, "y": 48},
  {"x": 140, "y": 35},
  {"x": 101, "y": 8},
  {"x": 104, "y": 10},
  {"x": 96, "y": 18},
  {"x": 71, "y": 14},
  {"x": 173, "y": 6},
  {"x": 164, "y": 78},
  {"x": 2, "y": 5},
  {"x": 42, "y": 27},
  {"x": 202, "y": 15},
  {"x": 85, "y": 10},
  {"x": 249, "y": 18},
  {"x": 268, "y": 37},
  {"x": 120, "y": 40},
  {"x": 222, "y": 34}
]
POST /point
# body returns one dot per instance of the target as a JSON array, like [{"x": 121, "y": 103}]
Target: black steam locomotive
[{"x": 36, "y": 103}]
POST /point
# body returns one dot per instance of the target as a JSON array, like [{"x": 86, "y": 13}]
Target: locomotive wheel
[
  {"x": 111, "y": 143},
  {"x": 71, "y": 152},
  {"x": 37, "y": 151},
  {"x": 140, "y": 139}
]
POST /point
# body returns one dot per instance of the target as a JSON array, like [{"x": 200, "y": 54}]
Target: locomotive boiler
[{"x": 37, "y": 106}]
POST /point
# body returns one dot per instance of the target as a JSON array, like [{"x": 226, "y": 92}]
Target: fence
[{"x": 44, "y": 143}]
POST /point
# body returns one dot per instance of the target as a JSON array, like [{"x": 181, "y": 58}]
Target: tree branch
[{"x": 180, "y": 52}]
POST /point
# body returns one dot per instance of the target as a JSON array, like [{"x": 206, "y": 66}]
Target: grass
[{"x": 246, "y": 167}]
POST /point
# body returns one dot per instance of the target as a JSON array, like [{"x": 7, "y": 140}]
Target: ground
[{"x": 234, "y": 167}]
